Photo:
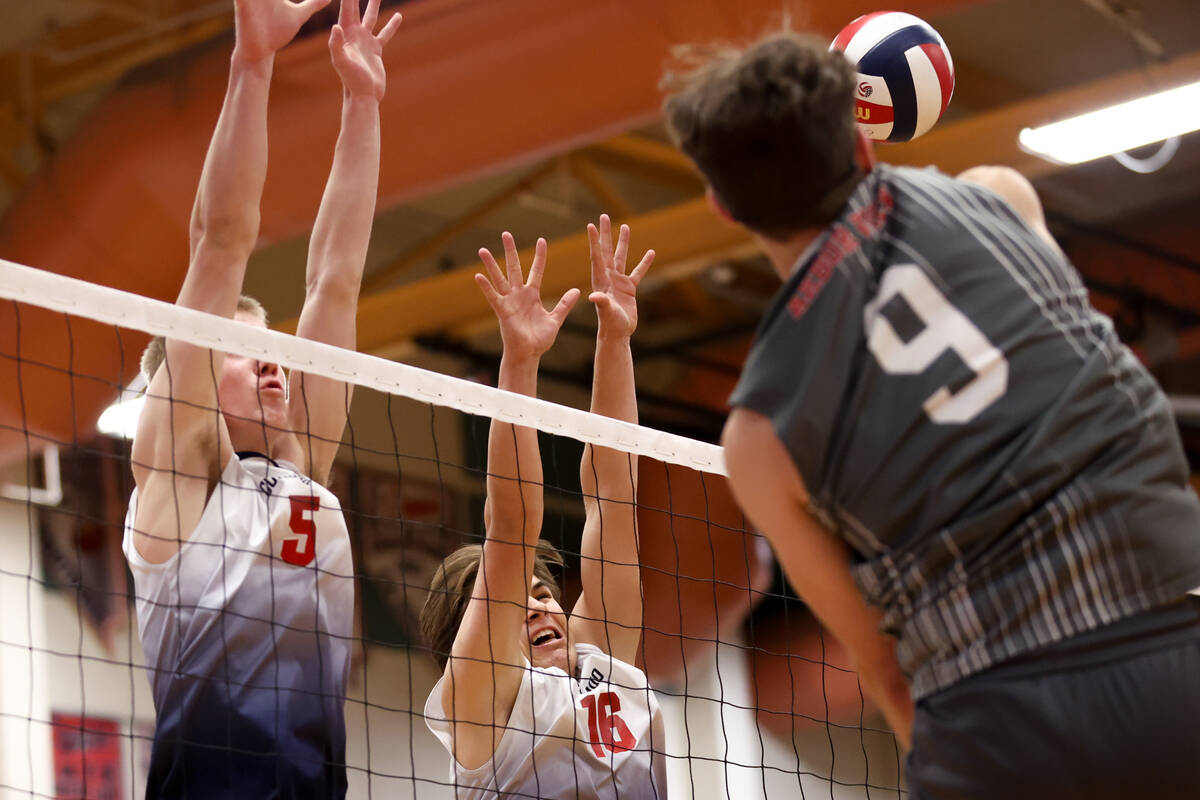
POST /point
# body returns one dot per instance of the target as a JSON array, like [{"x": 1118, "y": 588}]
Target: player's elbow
[
  {"x": 226, "y": 231},
  {"x": 330, "y": 282},
  {"x": 607, "y": 474},
  {"x": 1011, "y": 185},
  {"x": 513, "y": 522}
]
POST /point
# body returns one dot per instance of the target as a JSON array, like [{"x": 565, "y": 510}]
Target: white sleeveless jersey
[
  {"x": 597, "y": 736},
  {"x": 247, "y": 634}
]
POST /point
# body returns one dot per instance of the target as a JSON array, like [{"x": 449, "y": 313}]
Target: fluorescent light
[
  {"x": 121, "y": 418},
  {"x": 1117, "y": 128}
]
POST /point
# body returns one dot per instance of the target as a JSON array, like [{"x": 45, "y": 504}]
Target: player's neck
[
  {"x": 257, "y": 438},
  {"x": 784, "y": 254}
]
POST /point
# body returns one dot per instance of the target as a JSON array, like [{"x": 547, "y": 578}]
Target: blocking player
[
  {"x": 239, "y": 554},
  {"x": 963, "y": 472},
  {"x": 533, "y": 702}
]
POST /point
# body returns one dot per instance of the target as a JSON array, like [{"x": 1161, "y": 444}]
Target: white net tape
[{"x": 72, "y": 296}]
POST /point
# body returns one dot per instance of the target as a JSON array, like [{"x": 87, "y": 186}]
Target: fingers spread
[
  {"x": 597, "y": 258},
  {"x": 640, "y": 270},
  {"x": 539, "y": 263},
  {"x": 564, "y": 306},
  {"x": 622, "y": 250},
  {"x": 389, "y": 30},
  {"x": 337, "y": 37},
  {"x": 606, "y": 235},
  {"x": 493, "y": 269},
  {"x": 511, "y": 260},
  {"x": 348, "y": 12},
  {"x": 489, "y": 292},
  {"x": 371, "y": 16}
]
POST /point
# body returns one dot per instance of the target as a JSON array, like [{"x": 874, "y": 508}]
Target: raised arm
[
  {"x": 338, "y": 248},
  {"x": 487, "y": 660},
  {"x": 609, "y": 611},
  {"x": 188, "y": 438}
]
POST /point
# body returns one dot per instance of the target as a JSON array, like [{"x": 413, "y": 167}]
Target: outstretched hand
[
  {"x": 357, "y": 51},
  {"x": 613, "y": 292},
  {"x": 526, "y": 327},
  {"x": 265, "y": 26}
]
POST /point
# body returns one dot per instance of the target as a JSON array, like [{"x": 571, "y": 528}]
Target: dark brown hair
[
  {"x": 771, "y": 128},
  {"x": 156, "y": 352},
  {"x": 451, "y": 587}
]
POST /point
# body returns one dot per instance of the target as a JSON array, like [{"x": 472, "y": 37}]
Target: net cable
[{"x": 159, "y": 318}]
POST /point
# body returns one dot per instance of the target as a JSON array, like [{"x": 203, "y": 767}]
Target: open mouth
[
  {"x": 271, "y": 386},
  {"x": 547, "y": 636}
]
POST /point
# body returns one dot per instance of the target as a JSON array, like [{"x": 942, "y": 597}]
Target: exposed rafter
[{"x": 679, "y": 232}]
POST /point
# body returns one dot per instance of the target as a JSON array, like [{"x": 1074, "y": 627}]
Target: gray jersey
[{"x": 1007, "y": 472}]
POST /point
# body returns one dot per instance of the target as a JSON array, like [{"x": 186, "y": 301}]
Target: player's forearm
[
  {"x": 884, "y": 683},
  {"x": 338, "y": 247},
  {"x": 226, "y": 212},
  {"x": 609, "y": 552},
  {"x": 613, "y": 393},
  {"x": 514, "y": 483},
  {"x": 611, "y": 474}
]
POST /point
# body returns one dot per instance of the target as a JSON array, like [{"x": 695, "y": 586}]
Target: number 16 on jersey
[{"x": 605, "y": 725}]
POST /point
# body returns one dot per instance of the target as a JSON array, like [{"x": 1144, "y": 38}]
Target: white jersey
[
  {"x": 247, "y": 633},
  {"x": 596, "y": 736}
]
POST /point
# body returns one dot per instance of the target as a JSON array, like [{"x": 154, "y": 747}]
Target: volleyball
[{"x": 905, "y": 75}]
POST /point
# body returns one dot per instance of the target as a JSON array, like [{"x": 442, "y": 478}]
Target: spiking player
[
  {"x": 533, "y": 703},
  {"x": 240, "y": 556},
  {"x": 932, "y": 392}
]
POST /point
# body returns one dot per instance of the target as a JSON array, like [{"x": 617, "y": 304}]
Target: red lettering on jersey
[
  {"x": 605, "y": 726},
  {"x": 841, "y": 244},
  {"x": 301, "y": 550}
]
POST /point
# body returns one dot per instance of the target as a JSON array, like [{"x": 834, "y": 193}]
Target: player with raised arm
[
  {"x": 969, "y": 479},
  {"x": 240, "y": 556},
  {"x": 534, "y": 703}
]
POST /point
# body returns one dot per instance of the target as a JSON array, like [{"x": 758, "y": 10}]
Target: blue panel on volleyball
[{"x": 887, "y": 60}]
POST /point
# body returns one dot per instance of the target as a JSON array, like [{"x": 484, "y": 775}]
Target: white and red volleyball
[{"x": 905, "y": 74}]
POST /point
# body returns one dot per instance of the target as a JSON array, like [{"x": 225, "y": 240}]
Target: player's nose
[{"x": 266, "y": 368}]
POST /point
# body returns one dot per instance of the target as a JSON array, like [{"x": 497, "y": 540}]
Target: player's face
[
  {"x": 251, "y": 393},
  {"x": 545, "y": 631}
]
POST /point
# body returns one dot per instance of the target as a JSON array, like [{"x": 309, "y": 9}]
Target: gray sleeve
[{"x": 804, "y": 359}]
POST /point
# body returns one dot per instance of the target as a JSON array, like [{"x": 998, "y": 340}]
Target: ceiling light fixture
[
  {"x": 1117, "y": 128},
  {"x": 121, "y": 418}
]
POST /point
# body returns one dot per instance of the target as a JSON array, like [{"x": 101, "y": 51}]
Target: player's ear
[
  {"x": 864, "y": 150},
  {"x": 717, "y": 207}
]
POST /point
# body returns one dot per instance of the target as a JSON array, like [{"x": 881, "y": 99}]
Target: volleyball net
[{"x": 757, "y": 700}]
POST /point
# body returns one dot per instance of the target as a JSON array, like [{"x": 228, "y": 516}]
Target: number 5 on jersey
[
  {"x": 300, "y": 548},
  {"x": 946, "y": 328}
]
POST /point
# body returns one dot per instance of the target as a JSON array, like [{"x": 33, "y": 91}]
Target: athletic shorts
[{"x": 1114, "y": 713}]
